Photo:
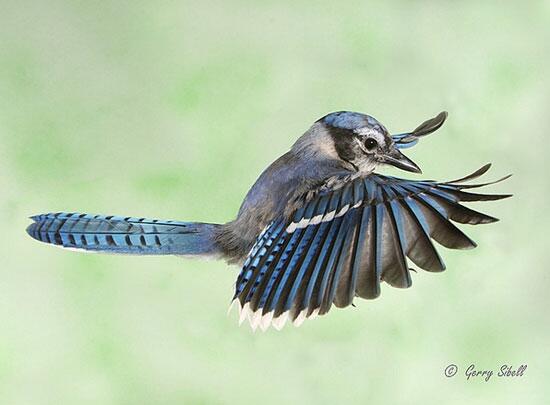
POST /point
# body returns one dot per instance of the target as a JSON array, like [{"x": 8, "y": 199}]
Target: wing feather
[
  {"x": 350, "y": 236},
  {"x": 397, "y": 275},
  {"x": 368, "y": 281},
  {"x": 419, "y": 246},
  {"x": 345, "y": 283},
  {"x": 332, "y": 270}
]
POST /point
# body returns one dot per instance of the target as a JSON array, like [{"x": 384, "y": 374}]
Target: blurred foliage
[{"x": 172, "y": 109}]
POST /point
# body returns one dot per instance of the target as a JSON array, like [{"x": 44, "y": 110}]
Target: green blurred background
[{"x": 171, "y": 110}]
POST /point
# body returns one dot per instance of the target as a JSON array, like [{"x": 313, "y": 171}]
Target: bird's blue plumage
[
  {"x": 116, "y": 234},
  {"x": 347, "y": 240},
  {"x": 318, "y": 228},
  {"x": 349, "y": 120}
]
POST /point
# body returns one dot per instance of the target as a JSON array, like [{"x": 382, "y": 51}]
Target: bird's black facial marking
[{"x": 345, "y": 144}]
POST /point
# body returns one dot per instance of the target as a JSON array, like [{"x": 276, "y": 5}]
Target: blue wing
[{"x": 344, "y": 242}]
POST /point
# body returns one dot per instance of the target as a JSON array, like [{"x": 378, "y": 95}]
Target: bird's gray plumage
[
  {"x": 326, "y": 151},
  {"x": 319, "y": 226},
  {"x": 281, "y": 189}
]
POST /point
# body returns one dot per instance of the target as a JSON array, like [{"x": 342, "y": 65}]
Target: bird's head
[{"x": 364, "y": 143}]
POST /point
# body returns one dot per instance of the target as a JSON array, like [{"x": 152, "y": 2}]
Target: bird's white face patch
[{"x": 372, "y": 133}]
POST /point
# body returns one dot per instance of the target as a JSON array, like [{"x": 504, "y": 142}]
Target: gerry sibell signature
[{"x": 471, "y": 373}]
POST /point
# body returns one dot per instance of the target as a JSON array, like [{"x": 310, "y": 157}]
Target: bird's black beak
[{"x": 399, "y": 160}]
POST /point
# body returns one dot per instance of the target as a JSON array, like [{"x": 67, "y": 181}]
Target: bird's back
[{"x": 278, "y": 191}]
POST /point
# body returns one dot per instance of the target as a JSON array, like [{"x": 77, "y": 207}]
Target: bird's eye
[{"x": 370, "y": 144}]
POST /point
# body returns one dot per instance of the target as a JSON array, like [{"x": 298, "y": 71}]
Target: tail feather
[{"x": 125, "y": 235}]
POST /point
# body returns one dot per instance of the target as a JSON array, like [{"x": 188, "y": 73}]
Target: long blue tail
[{"x": 127, "y": 235}]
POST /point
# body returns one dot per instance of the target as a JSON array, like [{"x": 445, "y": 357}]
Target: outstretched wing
[{"x": 344, "y": 242}]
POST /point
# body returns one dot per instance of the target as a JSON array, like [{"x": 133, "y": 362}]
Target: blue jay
[{"x": 319, "y": 227}]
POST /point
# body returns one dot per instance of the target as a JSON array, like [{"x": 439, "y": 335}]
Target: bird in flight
[{"x": 319, "y": 226}]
